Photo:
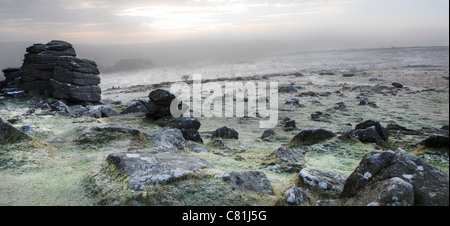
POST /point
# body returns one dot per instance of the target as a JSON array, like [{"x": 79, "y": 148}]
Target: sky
[{"x": 329, "y": 23}]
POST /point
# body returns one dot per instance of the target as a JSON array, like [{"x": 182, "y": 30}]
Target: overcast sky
[{"x": 368, "y": 23}]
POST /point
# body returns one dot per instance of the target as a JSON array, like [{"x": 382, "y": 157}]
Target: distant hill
[{"x": 129, "y": 65}]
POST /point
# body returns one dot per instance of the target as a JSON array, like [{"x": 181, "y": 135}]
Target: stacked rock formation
[
  {"x": 11, "y": 74},
  {"x": 53, "y": 70}
]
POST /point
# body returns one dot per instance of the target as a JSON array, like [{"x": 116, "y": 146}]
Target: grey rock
[
  {"x": 363, "y": 101},
  {"x": 401, "y": 129},
  {"x": 322, "y": 179},
  {"x": 328, "y": 202},
  {"x": 287, "y": 89},
  {"x": 9, "y": 133},
  {"x": 76, "y": 78},
  {"x": 102, "y": 111},
  {"x": 311, "y": 136},
  {"x": 288, "y": 155},
  {"x": 170, "y": 139},
  {"x": 429, "y": 183},
  {"x": 254, "y": 181},
  {"x": 225, "y": 132},
  {"x": 368, "y": 135},
  {"x": 382, "y": 132},
  {"x": 78, "y": 110},
  {"x": 156, "y": 111},
  {"x": 287, "y": 160},
  {"x": 188, "y": 126},
  {"x": 397, "y": 85},
  {"x": 436, "y": 141},
  {"x": 28, "y": 128},
  {"x": 221, "y": 144},
  {"x": 196, "y": 147},
  {"x": 294, "y": 102},
  {"x": 45, "y": 107},
  {"x": 390, "y": 192},
  {"x": 295, "y": 196},
  {"x": 75, "y": 93},
  {"x": 136, "y": 107},
  {"x": 268, "y": 133},
  {"x": 62, "y": 109},
  {"x": 117, "y": 129},
  {"x": 147, "y": 167},
  {"x": 289, "y": 125},
  {"x": 161, "y": 97}
]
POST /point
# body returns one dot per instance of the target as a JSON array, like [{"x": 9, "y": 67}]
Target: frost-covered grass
[{"x": 41, "y": 172}]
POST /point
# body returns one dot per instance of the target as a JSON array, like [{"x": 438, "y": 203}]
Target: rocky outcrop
[
  {"x": 430, "y": 185},
  {"x": 9, "y": 133},
  {"x": 53, "y": 70},
  {"x": 11, "y": 75},
  {"x": 147, "y": 167},
  {"x": 254, "y": 181},
  {"x": 311, "y": 136}
]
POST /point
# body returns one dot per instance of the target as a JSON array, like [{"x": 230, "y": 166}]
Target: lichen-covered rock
[
  {"x": 9, "y": 133},
  {"x": 103, "y": 111},
  {"x": 391, "y": 192},
  {"x": 322, "y": 179},
  {"x": 294, "y": 196},
  {"x": 116, "y": 128},
  {"x": 62, "y": 109},
  {"x": 194, "y": 189},
  {"x": 431, "y": 186},
  {"x": 138, "y": 106},
  {"x": 196, "y": 147},
  {"x": 168, "y": 138},
  {"x": 382, "y": 132},
  {"x": 147, "y": 167},
  {"x": 285, "y": 159},
  {"x": 254, "y": 181},
  {"x": 188, "y": 126},
  {"x": 311, "y": 136},
  {"x": 288, "y": 155},
  {"x": 226, "y": 133}
]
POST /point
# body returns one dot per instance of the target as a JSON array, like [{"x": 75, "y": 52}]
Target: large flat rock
[{"x": 146, "y": 167}]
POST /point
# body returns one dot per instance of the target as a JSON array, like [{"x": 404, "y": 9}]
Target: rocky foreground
[{"x": 339, "y": 141}]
